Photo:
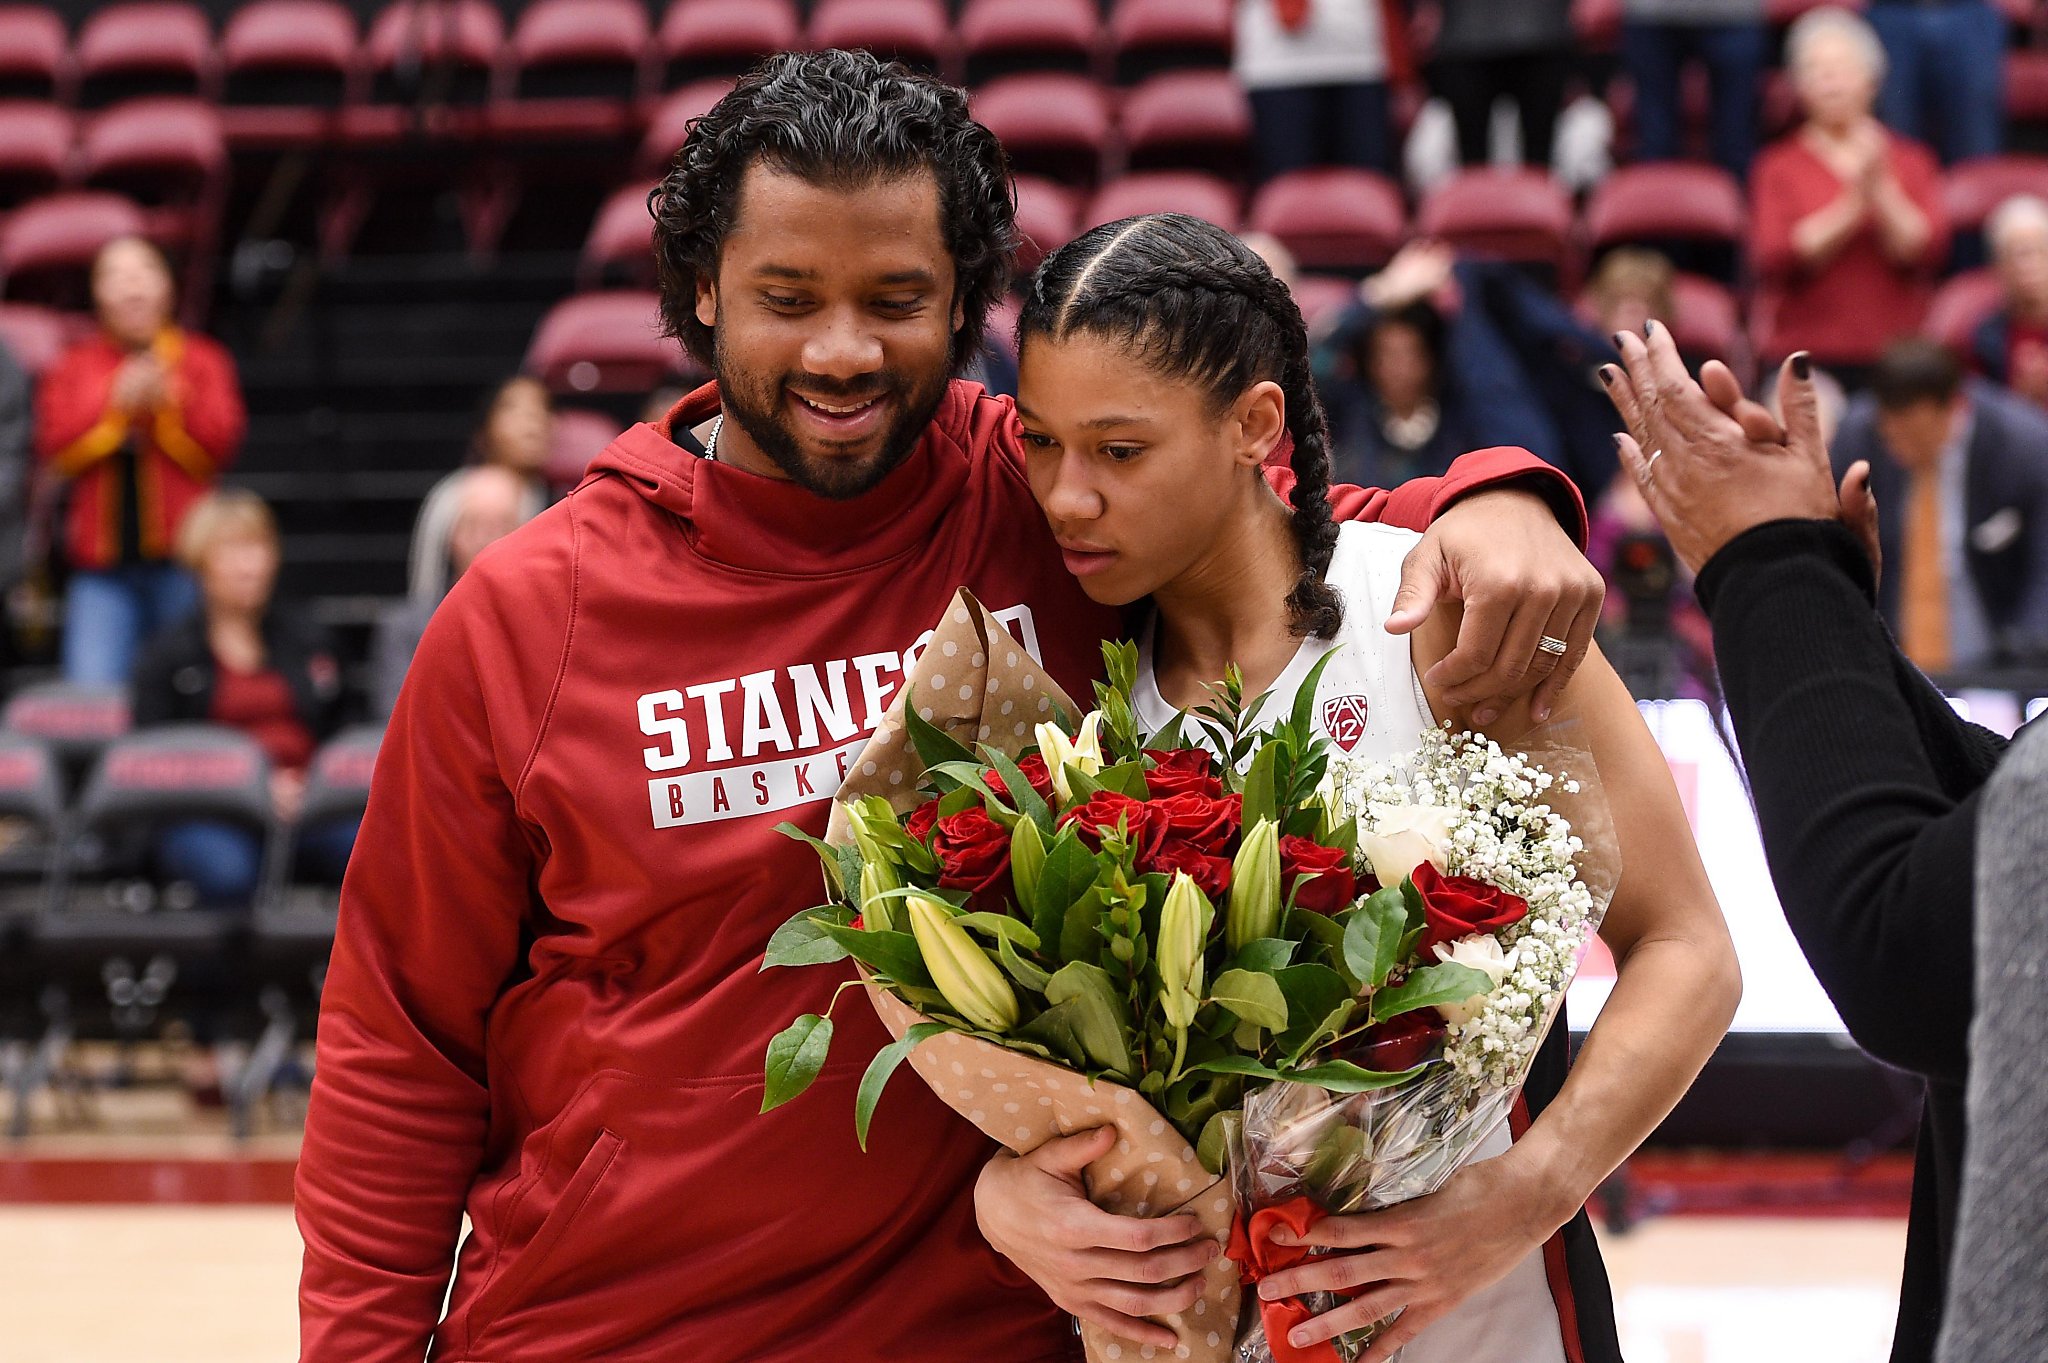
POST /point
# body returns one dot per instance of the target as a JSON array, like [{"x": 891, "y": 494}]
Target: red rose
[
  {"x": 974, "y": 855},
  {"x": 1210, "y": 874},
  {"x": 1184, "y": 771},
  {"x": 1400, "y": 1043},
  {"x": 1208, "y": 825},
  {"x": 1035, "y": 773},
  {"x": 919, "y": 824},
  {"x": 1105, "y": 810},
  {"x": 1459, "y": 906},
  {"x": 1334, "y": 886}
]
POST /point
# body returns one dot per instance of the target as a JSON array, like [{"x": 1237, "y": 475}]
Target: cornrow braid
[{"x": 1197, "y": 304}]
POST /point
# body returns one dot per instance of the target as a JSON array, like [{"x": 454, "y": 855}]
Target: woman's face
[
  {"x": 1835, "y": 83},
  {"x": 239, "y": 572},
  {"x": 1138, "y": 474},
  {"x": 520, "y": 428},
  {"x": 1398, "y": 366}
]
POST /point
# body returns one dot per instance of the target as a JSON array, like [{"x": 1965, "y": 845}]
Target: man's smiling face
[{"x": 834, "y": 311}]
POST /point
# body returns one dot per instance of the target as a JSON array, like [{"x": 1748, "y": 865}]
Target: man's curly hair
[{"x": 842, "y": 120}]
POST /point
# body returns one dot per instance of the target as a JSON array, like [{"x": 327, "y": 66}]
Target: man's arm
[
  {"x": 1870, "y": 848},
  {"x": 431, "y": 914}
]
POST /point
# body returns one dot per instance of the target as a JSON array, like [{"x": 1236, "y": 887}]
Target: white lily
[{"x": 1083, "y": 753}]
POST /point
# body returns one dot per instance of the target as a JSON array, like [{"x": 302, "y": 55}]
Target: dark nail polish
[
  {"x": 1802, "y": 365},
  {"x": 1616, "y": 338},
  {"x": 1650, "y": 327},
  {"x": 1617, "y": 442}
]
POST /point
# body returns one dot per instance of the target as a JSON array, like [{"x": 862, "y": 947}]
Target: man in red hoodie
[{"x": 545, "y": 1007}]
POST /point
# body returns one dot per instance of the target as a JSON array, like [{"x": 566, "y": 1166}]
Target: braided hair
[{"x": 1197, "y": 304}]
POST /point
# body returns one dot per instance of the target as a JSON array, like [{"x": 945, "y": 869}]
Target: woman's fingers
[
  {"x": 1365, "y": 1309},
  {"x": 1336, "y": 1273},
  {"x": 1168, "y": 1265},
  {"x": 1134, "y": 1328},
  {"x": 1722, "y": 388}
]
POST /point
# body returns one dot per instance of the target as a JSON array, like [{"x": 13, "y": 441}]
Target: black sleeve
[
  {"x": 1865, "y": 783},
  {"x": 153, "y": 697}
]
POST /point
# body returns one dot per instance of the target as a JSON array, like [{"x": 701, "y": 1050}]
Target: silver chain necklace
[{"x": 711, "y": 442}]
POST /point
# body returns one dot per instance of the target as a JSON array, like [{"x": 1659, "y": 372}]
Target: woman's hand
[
  {"x": 1421, "y": 1258},
  {"x": 1107, "y": 1269},
  {"x": 1519, "y": 576}
]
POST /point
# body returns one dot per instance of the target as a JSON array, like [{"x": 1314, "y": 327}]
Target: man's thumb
[
  {"x": 1423, "y": 575},
  {"x": 1067, "y": 1156}
]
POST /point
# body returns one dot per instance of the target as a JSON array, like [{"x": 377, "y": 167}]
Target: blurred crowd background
[{"x": 304, "y": 303}]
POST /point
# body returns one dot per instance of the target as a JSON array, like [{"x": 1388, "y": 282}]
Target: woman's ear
[{"x": 1261, "y": 416}]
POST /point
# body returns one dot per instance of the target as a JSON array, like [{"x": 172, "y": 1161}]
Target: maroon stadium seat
[
  {"x": 163, "y": 152},
  {"x": 1972, "y": 190},
  {"x": 148, "y": 47},
  {"x": 1166, "y": 191},
  {"x": 1960, "y": 307},
  {"x": 2026, "y": 99},
  {"x": 605, "y": 342},
  {"x": 580, "y": 435},
  {"x": 1148, "y": 36},
  {"x": 1334, "y": 217},
  {"x": 1047, "y": 217},
  {"x": 36, "y": 335},
  {"x": 439, "y": 52},
  {"x": 914, "y": 32},
  {"x": 1676, "y": 205},
  {"x": 285, "y": 70},
  {"x": 1050, "y": 124},
  {"x": 671, "y": 124},
  {"x": 1003, "y": 37},
  {"x": 35, "y": 150},
  {"x": 1516, "y": 214},
  {"x": 579, "y": 49},
  {"x": 1706, "y": 321},
  {"x": 704, "y": 38},
  {"x": 620, "y": 248},
  {"x": 35, "y": 58},
  {"x": 1188, "y": 120},
  {"x": 47, "y": 245},
  {"x": 1322, "y": 296}
]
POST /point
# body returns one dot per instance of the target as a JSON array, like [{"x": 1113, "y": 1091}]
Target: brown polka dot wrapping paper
[{"x": 977, "y": 683}]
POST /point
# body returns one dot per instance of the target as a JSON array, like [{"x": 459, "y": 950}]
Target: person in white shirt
[{"x": 1317, "y": 73}]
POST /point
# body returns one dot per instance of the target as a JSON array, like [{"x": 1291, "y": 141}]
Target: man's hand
[
  {"x": 1108, "y": 1269},
  {"x": 1421, "y": 1258},
  {"x": 1520, "y": 577},
  {"x": 1712, "y": 467}
]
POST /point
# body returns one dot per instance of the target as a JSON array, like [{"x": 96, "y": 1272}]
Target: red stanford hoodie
[{"x": 546, "y": 1008}]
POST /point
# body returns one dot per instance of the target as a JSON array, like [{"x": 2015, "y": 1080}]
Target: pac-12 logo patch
[{"x": 1344, "y": 720}]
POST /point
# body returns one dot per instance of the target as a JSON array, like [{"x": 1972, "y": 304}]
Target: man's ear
[
  {"x": 707, "y": 300},
  {"x": 959, "y": 313},
  {"x": 1261, "y": 417}
]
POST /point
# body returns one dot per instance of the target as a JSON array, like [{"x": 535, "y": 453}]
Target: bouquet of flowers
[{"x": 1326, "y": 982}]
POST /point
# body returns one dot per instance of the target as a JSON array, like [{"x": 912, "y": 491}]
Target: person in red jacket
[
  {"x": 545, "y": 1007},
  {"x": 1848, "y": 227},
  {"x": 138, "y": 419}
]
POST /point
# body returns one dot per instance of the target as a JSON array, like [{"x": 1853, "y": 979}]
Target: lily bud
[
  {"x": 1183, "y": 931},
  {"x": 1254, "y": 908},
  {"x": 877, "y": 879},
  {"x": 862, "y": 817},
  {"x": 1084, "y": 753},
  {"x": 964, "y": 974},
  {"x": 1027, "y": 861}
]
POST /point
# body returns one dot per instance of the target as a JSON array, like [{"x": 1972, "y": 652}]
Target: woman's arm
[
  {"x": 1676, "y": 989},
  {"x": 1820, "y": 236}
]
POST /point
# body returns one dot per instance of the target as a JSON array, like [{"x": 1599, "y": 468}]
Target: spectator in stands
[
  {"x": 1631, "y": 285},
  {"x": 2011, "y": 345},
  {"x": 1317, "y": 72},
  {"x": 1847, "y": 225},
  {"x": 1438, "y": 356},
  {"x": 138, "y": 420},
  {"x": 516, "y": 434},
  {"x": 1520, "y": 49},
  {"x": 1727, "y": 37},
  {"x": 242, "y": 661},
  {"x": 1961, "y": 470},
  {"x": 490, "y": 503},
  {"x": 1945, "y": 77}
]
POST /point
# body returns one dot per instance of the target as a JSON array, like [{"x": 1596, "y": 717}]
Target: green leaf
[
  {"x": 826, "y": 853},
  {"x": 891, "y": 954},
  {"x": 1026, "y": 797},
  {"x": 1329, "y": 1029},
  {"x": 1266, "y": 954},
  {"x": 849, "y": 872},
  {"x": 1339, "y": 1159},
  {"x": 1235, "y": 1064},
  {"x": 795, "y": 1056},
  {"x": 1213, "y": 1149},
  {"x": 1097, "y": 1014},
  {"x": 1068, "y": 872},
  {"x": 1302, "y": 721},
  {"x": 1079, "y": 935},
  {"x": 1428, "y": 987},
  {"x": 877, "y": 1076},
  {"x": 1055, "y": 1028},
  {"x": 1259, "y": 801},
  {"x": 1254, "y": 997},
  {"x": 934, "y": 745},
  {"x": 1000, "y": 925},
  {"x": 1125, "y": 778},
  {"x": 1372, "y": 937},
  {"x": 1312, "y": 991},
  {"x": 1316, "y": 927},
  {"x": 959, "y": 800},
  {"x": 1022, "y": 971},
  {"x": 1341, "y": 1076},
  {"x": 803, "y": 940},
  {"x": 1412, "y": 899}
]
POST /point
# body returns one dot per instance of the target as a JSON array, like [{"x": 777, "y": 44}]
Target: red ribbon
[{"x": 1258, "y": 1258}]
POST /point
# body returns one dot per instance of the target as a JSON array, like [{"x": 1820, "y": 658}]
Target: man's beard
[{"x": 760, "y": 412}]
